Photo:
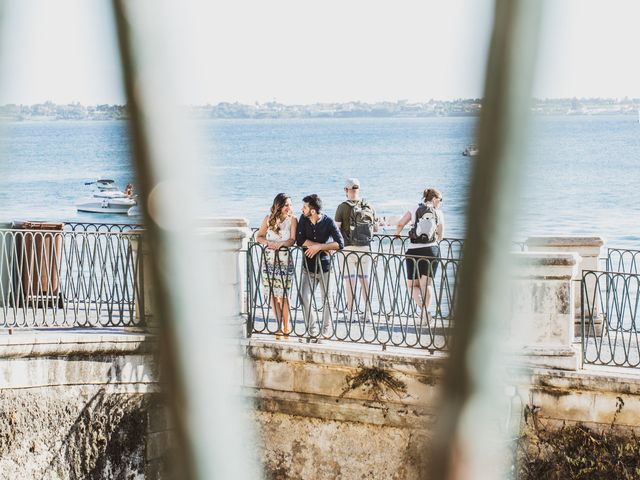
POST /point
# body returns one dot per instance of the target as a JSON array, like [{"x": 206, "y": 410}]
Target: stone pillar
[
  {"x": 543, "y": 310},
  {"x": 144, "y": 278},
  {"x": 589, "y": 249},
  {"x": 231, "y": 235},
  {"x": 228, "y": 236}
]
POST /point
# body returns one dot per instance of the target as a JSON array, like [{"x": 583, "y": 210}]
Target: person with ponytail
[
  {"x": 277, "y": 233},
  {"x": 423, "y": 250}
]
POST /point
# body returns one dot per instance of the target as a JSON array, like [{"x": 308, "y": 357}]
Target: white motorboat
[
  {"x": 470, "y": 151},
  {"x": 106, "y": 199}
]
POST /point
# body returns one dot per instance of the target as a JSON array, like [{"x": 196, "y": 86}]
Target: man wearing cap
[
  {"x": 313, "y": 234},
  {"x": 357, "y": 221}
]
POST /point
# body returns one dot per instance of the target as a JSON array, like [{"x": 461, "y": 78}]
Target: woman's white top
[{"x": 283, "y": 234}]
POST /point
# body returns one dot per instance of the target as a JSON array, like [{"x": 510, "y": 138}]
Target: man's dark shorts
[{"x": 418, "y": 265}]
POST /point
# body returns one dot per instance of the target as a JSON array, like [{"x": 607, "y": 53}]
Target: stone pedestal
[
  {"x": 543, "y": 309},
  {"x": 589, "y": 250},
  {"x": 227, "y": 237},
  {"x": 144, "y": 290}
]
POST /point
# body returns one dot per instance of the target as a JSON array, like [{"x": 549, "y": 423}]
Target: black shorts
[{"x": 422, "y": 261}]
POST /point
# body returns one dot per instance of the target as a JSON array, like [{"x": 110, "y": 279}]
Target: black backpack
[
  {"x": 425, "y": 226},
  {"x": 361, "y": 221}
]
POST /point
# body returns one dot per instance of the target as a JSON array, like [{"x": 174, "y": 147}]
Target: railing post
[
  {"x": 231, "y": 235},
  {"x": 143, "y": 275},
  {"x": 541, "y": 331},
  {"x": 589, "y": 249}
]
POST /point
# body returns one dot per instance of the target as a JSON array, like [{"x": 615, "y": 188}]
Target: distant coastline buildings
[{"x": 432, "y": 108}]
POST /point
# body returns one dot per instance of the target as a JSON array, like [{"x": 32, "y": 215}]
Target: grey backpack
[
  {"x": 361, "y": 220},
  {"x": 424, "y": 229}
]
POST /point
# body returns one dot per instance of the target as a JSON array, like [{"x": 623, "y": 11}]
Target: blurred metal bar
[
  {"x": 464, "y": 448},
  {"x": 199, "y": 354}
]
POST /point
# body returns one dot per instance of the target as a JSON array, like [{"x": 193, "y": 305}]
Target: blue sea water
[{"x": 581, "y": 172}]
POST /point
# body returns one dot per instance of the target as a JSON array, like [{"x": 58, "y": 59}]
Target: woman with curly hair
[{"x": 278, "y": 232}]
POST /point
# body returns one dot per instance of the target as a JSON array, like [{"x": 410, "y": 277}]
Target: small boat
[
  {"x": 106, "y": 199},
  {"x": 470, "y": 151}
]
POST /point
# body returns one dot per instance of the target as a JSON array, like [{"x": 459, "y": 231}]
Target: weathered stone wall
[
  {"x": 72, "y": 433},
  {"x": 79, "y": 406},
  {"x": 325, "y": 412},
  {"x": 340, "y": 412},
  {"x": 589, "y": 397},
  {"x": 295, "y": 446}
]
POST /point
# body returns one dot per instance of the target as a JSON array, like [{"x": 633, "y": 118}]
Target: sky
[{"x": 298, "y": 52}]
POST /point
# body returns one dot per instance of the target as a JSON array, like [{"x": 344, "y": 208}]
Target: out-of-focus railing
[
  {"x": 622, "y": 260},
  {"x": 609, "y": 314},
  {"x": 385, "y": 310},
  {"x": 101, "y": 227},
  {"x": 70, "y": 278}
]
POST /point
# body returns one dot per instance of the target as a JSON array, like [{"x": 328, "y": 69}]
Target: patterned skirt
[{"x": 277, "y": 273}]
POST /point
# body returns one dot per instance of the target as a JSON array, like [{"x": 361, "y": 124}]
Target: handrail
[
  {"x": 102, "y": 227},
  {"x": 383, "y": 310},
  {"x": 62, "y": 278},
  {"x": 623, "y": 260},
  {"x": 610, "y": 324}
]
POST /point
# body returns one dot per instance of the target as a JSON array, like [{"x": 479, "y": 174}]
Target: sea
[{"x": 580, "y": 173}]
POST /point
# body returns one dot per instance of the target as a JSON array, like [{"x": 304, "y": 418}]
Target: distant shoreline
[{"x": 273, "y": 110}]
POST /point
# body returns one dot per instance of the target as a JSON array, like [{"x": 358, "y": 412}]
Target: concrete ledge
[
  {"x": 119, "y": 359},
  {"x": 552, "y": 357},
  {"x": 74, "y": 341},
  {"x": 317, "y": 381},
  {"x": 545, "y": 265},
  {"x": 564, "y": 241},
  {"x": 223, "y": 222},
  {"x": 544, "y": 259},
  {"x": 588, "y": 396},
  {"x": 347, "y": 355},
  {"x": 344, "y": 409},
  {"x": 594, "y": 379}
]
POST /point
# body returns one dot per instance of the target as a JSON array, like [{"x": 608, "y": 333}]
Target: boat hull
[{"x": 121, "y": 207}]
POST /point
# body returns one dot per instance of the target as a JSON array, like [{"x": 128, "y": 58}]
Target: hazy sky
[{"x": 304, "y": 52}]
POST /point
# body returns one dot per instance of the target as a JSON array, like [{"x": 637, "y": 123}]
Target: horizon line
[{"x": 271, "y": 102}]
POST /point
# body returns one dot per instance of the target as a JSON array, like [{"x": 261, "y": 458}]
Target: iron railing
[
  {"x": 609, "y": 314},
  {"x": 383, "y": 312},
  {"x": 622, "y": 260},
  {"x": 70, "y": 278},
  {"x": 102, "y": 227},
  {"x": 450, "y": 248}
]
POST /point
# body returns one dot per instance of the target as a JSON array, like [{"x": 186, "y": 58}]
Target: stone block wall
[
  {"x": 339, "y": 412},
  {"x": 325, "y": 412},
  {"x": 79, "y": 406}
]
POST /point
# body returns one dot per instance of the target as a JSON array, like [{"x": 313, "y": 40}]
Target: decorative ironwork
[
  {"x": 69, "y": 278},
  {"x": 621, "y": 260},
  {"x": 385, "y": 309},
  {"x": 610, "y": 305}
]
